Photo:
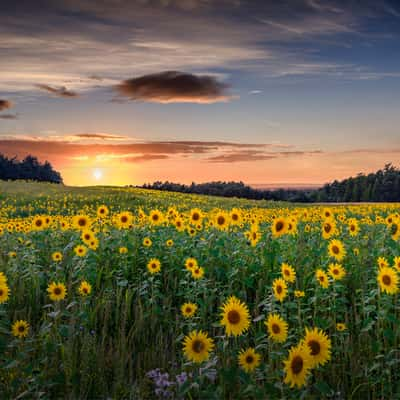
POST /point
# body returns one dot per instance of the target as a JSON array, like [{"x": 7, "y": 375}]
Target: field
[{"x": 122, "y": 293}]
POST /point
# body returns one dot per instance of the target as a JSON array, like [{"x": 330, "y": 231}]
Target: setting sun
[{"x": 97, "y": 174}]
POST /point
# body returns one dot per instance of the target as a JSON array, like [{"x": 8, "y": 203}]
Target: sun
[{"x": 97, "y": 174}]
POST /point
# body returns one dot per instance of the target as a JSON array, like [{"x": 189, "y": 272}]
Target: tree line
[
  {"x": 28, "y": 169},
  {"x": 380, "y": 186}
]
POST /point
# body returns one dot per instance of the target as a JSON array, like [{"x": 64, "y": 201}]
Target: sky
[{"x": 267, "y": 92}]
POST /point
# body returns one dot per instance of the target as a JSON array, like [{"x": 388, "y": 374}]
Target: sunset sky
[{"x": 267, "y": 92}]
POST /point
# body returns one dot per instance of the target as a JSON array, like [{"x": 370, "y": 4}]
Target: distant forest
[
  {"x": 381, "y": 186},
  {"x": 29, "y": 169}
]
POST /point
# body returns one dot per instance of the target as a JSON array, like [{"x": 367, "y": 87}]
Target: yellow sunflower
[
  {"x": 279, "y": 226},
  {"x": 337, "y": 272},
  {"x": 221, "y": 220},
  {"x": 328, "y": 228},
  {"x": 20, "y": 329},
  {"x": 87, "y": 236},
  {"x": 56, "y": 256},
  {"x": 57, "y": 291},
  {"x": 336, "y": 249},
  {"x": 197, "y": 272},
  {"x": 288, "y": 273},
  {"x": 279, "y": 288},
  {"x": 38, "y": 223},
  {"x": 122, "y": 250},
  {"x": 85, "y": 288},
  {"x": 81, "y": 222},
  {"x": 353, "y": 227},
  {"x": 197, "y": 346},
  {"x": 4, "y": 292},
  {"x": 124, "y": 220},
  {"x": 388, "y": 280},
  {"x": 196, "y": 216},
  {"x": 249, "y": 359},
  {"x": 102, "y": 211},
  {"x": 147, "y": 242},
  {"x": 297, "y": 366},
  {"x": 322, "y": 278},
  {"x": 154, "y": 266},
  {"x": 188, "y": 309},
  {"x": 169, "y": 243},
  {"x": 340, "y": 326},
  {"x": 80, "y": 250},
  {"x": 190, "y": 263},
  {"x": 277, "y": 328},
  {"x": 235, "y": 316},
  {"x": 156, "y": 217},
  {"x": 319, "y": 345},
  {"x": 397, "y": 263},
  {"x": 3, "y": 278},
  {"x": 299, "y": 293}
]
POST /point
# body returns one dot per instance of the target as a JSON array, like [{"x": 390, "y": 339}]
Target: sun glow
[{"x": 97, "y": 174}]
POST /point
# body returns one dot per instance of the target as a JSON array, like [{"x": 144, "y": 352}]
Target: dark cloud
[
  {"x": 174, "y": 87},
  {"x": 60, "y": 91},
  {"x": 8, "y": 116},
  {"x": 5, "y": 105},
  {"x": 99, "y": 136}
]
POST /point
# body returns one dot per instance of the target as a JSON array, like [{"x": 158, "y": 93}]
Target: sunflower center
[
  {"x": 335, "y": 272},
  {"x": 279, "y": 289},
  {"x": 38, "y": 222},
  {"x": 233, "y": 317},
  {"x": 249, "y": 359},
  {"x": 297, "y": 365},
  {"x": 335, "y": 249},
  {"x": 279, "y": 226},
  {"x": 276, "y": 329},
  {"x": 155, "y": 217},
  {"x": 221, "y": 220},
  {"x": 327, "y": 228},
  {"x": 315, "y": 347},
  {"x": 82, "y": 222},
  {"x": 195, "y": 217},
  {"x": 286, "y": 272},
  {"x": 386, "y": 279},
  {"x": 188, "y": 310},
  {"x": 197, "y": 346},
  {"x": 321, "y": 278},
  {"x": 1, "y": 292},
  {"x": 57, "y": 291},
  {"x": 21, "y": 328},
  {"x": 235, "y": 217},
  {"x": 124, "y": 219}
]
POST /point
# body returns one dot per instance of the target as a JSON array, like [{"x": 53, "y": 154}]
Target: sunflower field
[{"x": 124, "y": 293}]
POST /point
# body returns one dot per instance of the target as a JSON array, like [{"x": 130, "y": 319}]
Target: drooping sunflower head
[
  {"x": 319, "y": 345},
  {"x": 154, "y": 266},
  {"x": 85, "y": 288},
  {"x": 249, "y": 359},
  {"x": 197, "y": 346},
  {"x": 57, "y": 291},
  {"x": 388, "y": 280},
  {"x": 188, "y": 309},
  {"x": 20, "y": 329},
  {"x": 297, "y": 366},
  {"x": 288, "y": 273},
  {"x": 277, "y": 328},
  {"x": 279, "y": 288},
  {"x": 235, "y": 316}
]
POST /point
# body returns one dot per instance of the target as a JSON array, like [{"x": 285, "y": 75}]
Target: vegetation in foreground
[{"x": 128, "y": 293}]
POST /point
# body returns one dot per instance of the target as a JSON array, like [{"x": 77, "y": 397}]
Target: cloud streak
[
  {"x": 58, "y": 91},
  {"x": 174, "y": 87}
]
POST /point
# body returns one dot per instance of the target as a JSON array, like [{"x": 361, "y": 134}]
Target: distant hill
[
  {"x": 381, "y": 186},
  {"x": 28, "y": 169}
]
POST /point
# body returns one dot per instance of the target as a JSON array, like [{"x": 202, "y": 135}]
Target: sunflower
[
  {"x": 394, "y": 229},
  {"x": 87, "y": 236},
  {"x": 279, "y": 226},
  {"x": 337, "y": 272},
  {"x": 196, "y": 216},
  {"x": 277, "y": 328},
  {"x": 197, "y": 346},
  {"x": 85, "y": 288},
  {"x": 38, "y": 223},
  {"x": 297, "y": 366},
  {"x": 56, "y": 256},
  {"x": 80, "y": 250},
  {"x": 280, "y": 289},
  {"x": 221, "y": 220},
  {"x": 388, "y": 280},
  {"x": 3, "y": 278},
  {"x": 124, "y": 220},
  {"x": 319, "y": 345},
  {"x": 299, "y": 293},
  {"x": 322, "y": 278},
  {"x": 169, "y": 243},
  {"x": 197, "y": 272},
  {"x": 20, "y": 329},
  {"x": 81, "y": 222},
  {"x": 340, "y": 326},
  {"x": 288, "y": 273},
  {"x": 4, "y": 292},
  {"x": 397, "y": 263},
  {"x": 156, "y": 217},
  {"x": 122, "y": 250},
  {"x": 328, "y": 228},
  {"x": 353, "y": 227},
  {"x": 147, "y": 242},
  {"x": 188, "y": 309},
  {"x": 57, "y": 291},
  {"x": 236, "y": 216},
  {"x": 235, "y": 316},
  {"x": 154, "y": 266},
  {"x": 249, "y": 359},
  {"x": 190, "y": 263},
  {"x": 382, "y": 262},
  {"x": 102, "y": 211},
  {"x": 336, "y": 249}
]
